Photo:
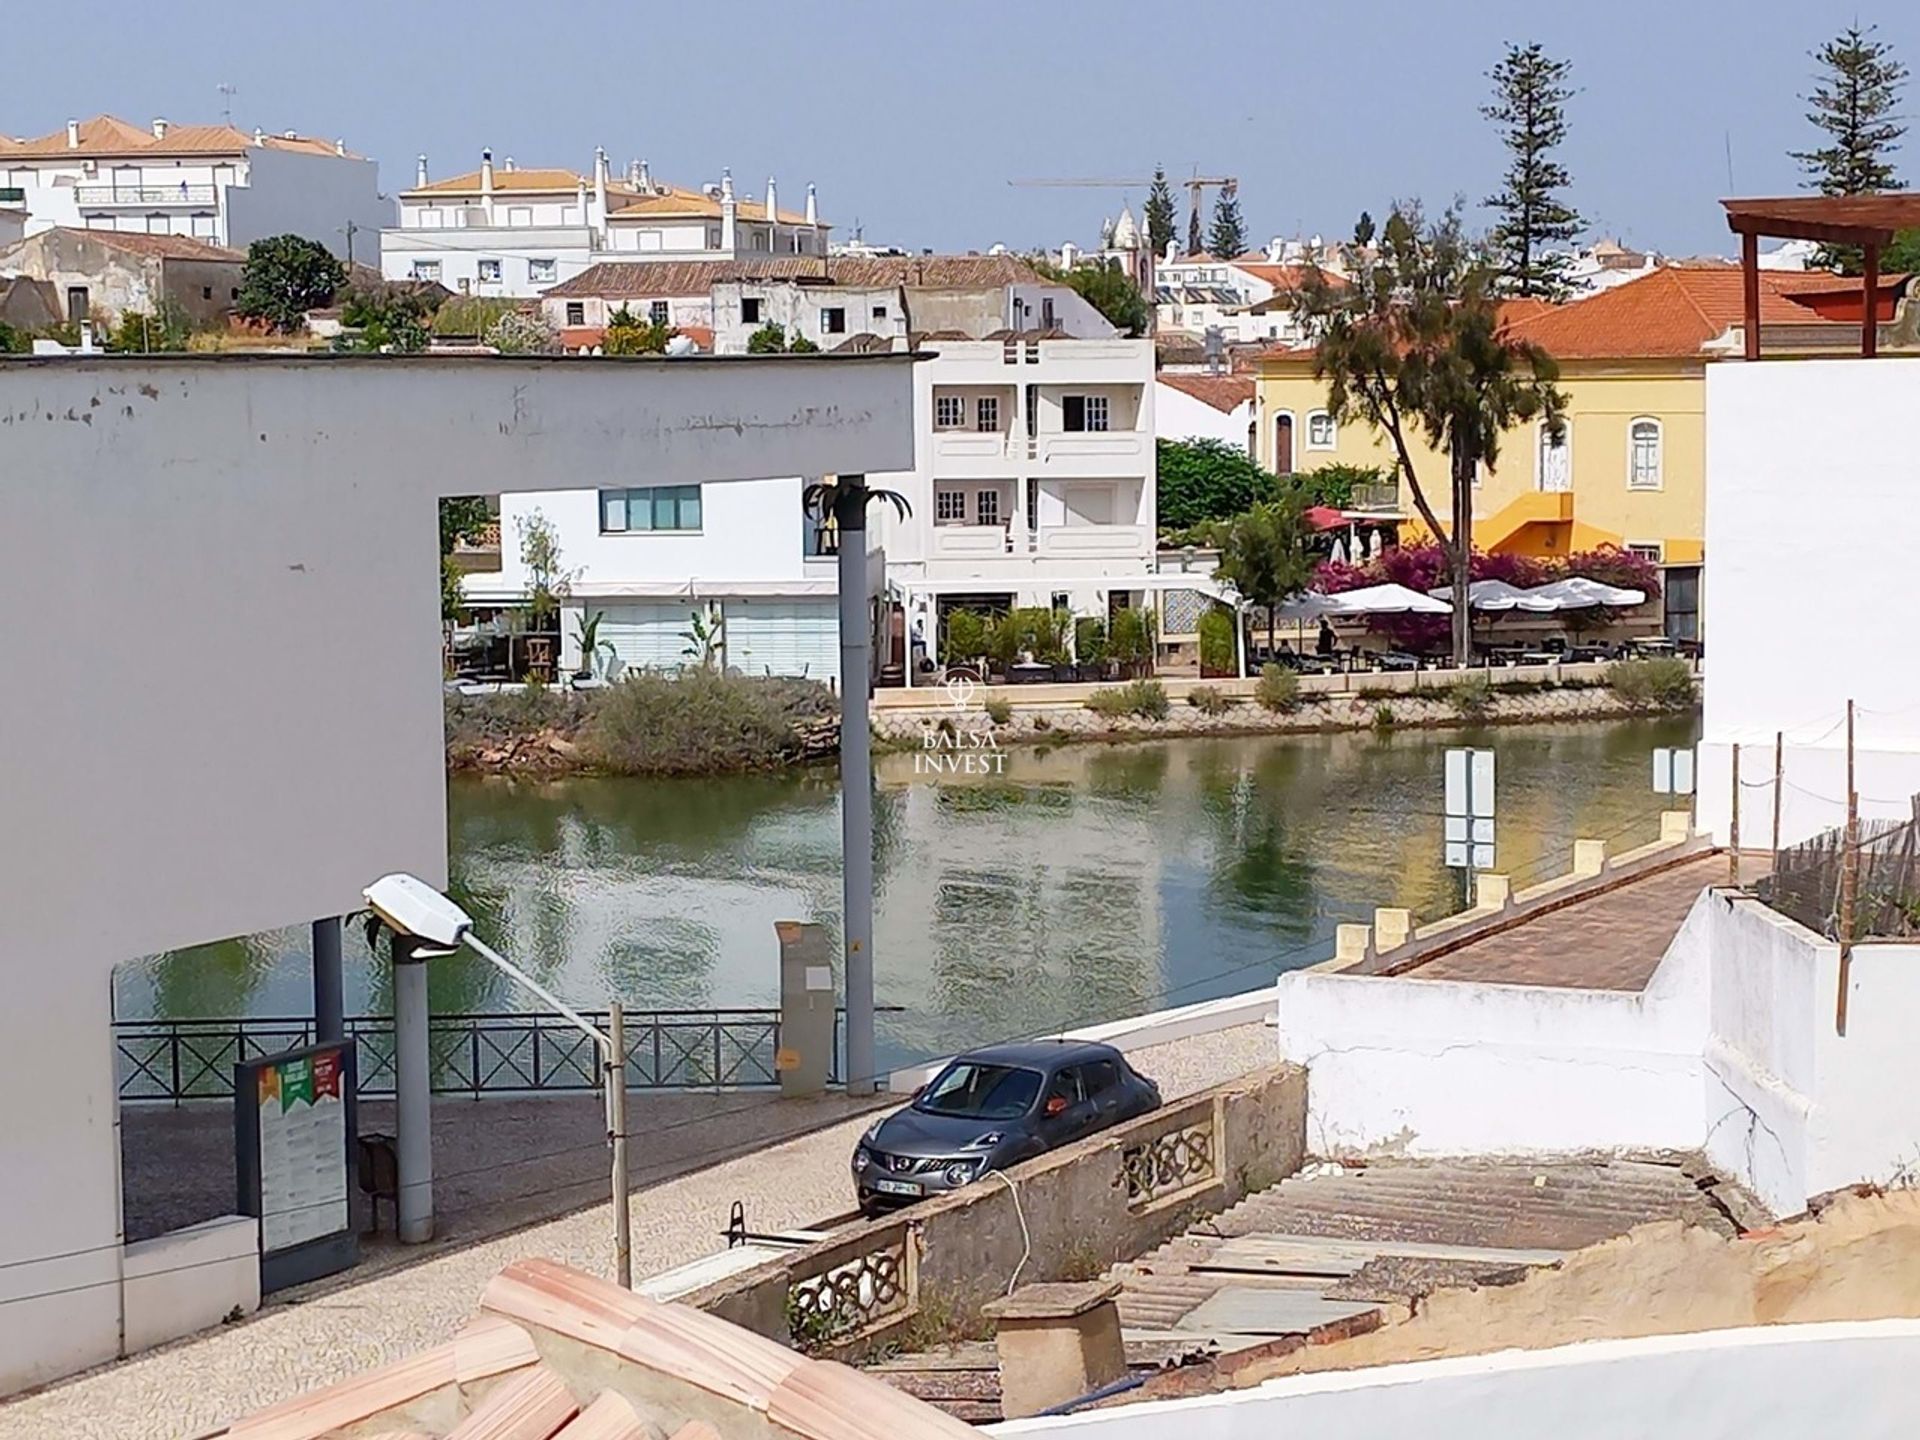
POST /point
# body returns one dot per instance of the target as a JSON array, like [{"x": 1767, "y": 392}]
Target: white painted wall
[
  {"x": 1446, "y": 1067},
  {"x": 1813, "y": 488},
  {"x": 1178, "y": 416},
  {"x": 290, "y": 192},
  {"x": 190, "y": 1279},
  {"x": 1768, "y": 1382},
  {"x": 452, "y": 257},
  {"x": 226, "y": 533}
]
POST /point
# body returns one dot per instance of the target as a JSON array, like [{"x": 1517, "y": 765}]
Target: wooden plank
[{"x": 1309, "y": 1255}]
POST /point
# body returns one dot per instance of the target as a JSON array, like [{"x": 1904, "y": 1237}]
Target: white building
[
  {"x": 212, "y": 182},
  {"x": 1248, "y": 299},
  {"x": 1206, "y": 407},
  {"x": 502, "y": 230},
  {"x": 1033, "y": 482}
]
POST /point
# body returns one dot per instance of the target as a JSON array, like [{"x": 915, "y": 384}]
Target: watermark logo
[{"x": 962, "y": 743}]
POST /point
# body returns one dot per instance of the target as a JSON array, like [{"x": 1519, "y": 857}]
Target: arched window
[
  {"x": 1321, "y": 433},
  {"x": 1644, "y": 457}
]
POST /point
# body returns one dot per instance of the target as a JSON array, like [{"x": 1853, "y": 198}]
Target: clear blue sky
[{"x": 912, "y": 116}]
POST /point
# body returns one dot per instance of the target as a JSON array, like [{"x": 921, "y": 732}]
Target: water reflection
[{"x": 1086, "y": 883}]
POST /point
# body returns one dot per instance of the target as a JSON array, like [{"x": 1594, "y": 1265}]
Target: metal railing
[
  {"x": 145, "y": 194},
  {"x": 507, "y": 1053}
]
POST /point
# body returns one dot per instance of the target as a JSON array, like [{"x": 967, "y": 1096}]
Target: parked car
[{"x": 992, "y": 1108}]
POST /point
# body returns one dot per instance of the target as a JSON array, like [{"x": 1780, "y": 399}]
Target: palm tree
[{"x": 843, "y": 499}]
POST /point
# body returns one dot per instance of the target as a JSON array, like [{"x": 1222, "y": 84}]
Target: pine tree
[
  {"x": 1159, "y": 212},
  {"x": 1853, "y": 103},
  {"x": 1530, "y": 95},
  {"x": 1227, "y": 237}
]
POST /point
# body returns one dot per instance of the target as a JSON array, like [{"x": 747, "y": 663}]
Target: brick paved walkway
[{"x": 1610, "y": 942}]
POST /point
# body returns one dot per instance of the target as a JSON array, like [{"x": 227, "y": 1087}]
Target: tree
[
  {"x": 1902, "y": 257},
  {"x": 14, "y": 341},
  {"x": 462, "y": 517},
  {"x": 164, "y": 328},
  {"x": 385, "y": 319},
  {"x": 284, "y": 277},
  {"x": 1202, "y": 480},
  {"x": 628, "y": 334},
  {"x": 1227, "y": 236},
  {"x": 1412, "y": 346},
  {"x": 1264, "y": 554},
  {"x": 547, "y": 583},
  {"x": 772, "y": 339},
  {"x": 1106, "y": 287},
  {"x": 1854, "y": 104},
  {"x": 1529, "y": 106},
  {"x": 521, "y": 332},
  {"x": 1160, "y": 212}
]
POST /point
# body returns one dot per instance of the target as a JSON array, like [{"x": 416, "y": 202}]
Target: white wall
[
  {"x": 290, "y": 192},
  {"x": 190, "y": 1279},
  {"x": 1446, "y": 1067},
  {"x": 231, "y": 536},
  {"x": 1783, "y": 1382},
  {"x": 1178, "y": 416},
  {"x": 1813, "y": 494}
]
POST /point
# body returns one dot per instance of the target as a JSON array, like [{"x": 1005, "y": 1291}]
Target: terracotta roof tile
[
  {"x": 555, "y": 181},
  {"x": 531, "y": 1406},
  {"x": 1672, "y": 312},
  {"x": 169, "y": 247},
  {"x": 1288, "y": 278},
  {"x": 106, "y": 135},
  {"x": 611, "y": 1417},
  {"x": 1223, "y": 392}
]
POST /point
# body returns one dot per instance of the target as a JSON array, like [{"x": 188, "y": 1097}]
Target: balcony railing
[
  {"x": 1376, "y": 497},
  {"x": 146, "y": 194}
]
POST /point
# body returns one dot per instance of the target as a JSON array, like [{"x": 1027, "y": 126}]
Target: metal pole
[
  {"x": 856, "y": 782},
  {"x": 413, "y": 1095},
  {"x": 617, "y": 1135},
  {"x": 1779, "y": 783},
  {"x": 1849, "y": 884},
  {"x": 1733, "y": 825},
  {"x": 329, "y": 1006}
]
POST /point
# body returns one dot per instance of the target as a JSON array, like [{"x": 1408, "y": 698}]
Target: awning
[
  {"x": 1496, "y": 597},
  {"x": 1325, "y": 517},
  {"x": 1384, "y": 600},
  {"x": 1577, "y": 592}
]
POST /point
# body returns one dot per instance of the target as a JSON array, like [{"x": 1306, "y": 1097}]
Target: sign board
[
  {"x": 1673, "y": 772},
  {"x": 1468, "y": 832},
  {"x": 294, "y": 1143}
]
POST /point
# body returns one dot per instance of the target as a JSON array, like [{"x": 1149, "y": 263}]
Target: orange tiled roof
[
  {"x": 106, "y": 135},
  {"x": 554, "y": 181},
  {"x": 1223, "y": 392},
  {"x": 672, "y": 200},
  {"x": 645, "y": 279},
  {"x": 1674, "y": 311},
  {"x": 1288, "y": 277}
]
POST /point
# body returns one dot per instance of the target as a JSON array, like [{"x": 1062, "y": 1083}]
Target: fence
[
  {"x": 474, "y": 1054},
  {"x": 1805, "y": 883}
]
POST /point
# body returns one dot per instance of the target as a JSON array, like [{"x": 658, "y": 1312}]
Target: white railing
[
  {"x": 1091, "y": 452},
  {"x": 969, "y": 539},
  {"x": 145, "y": 194},
  {"x": 1096, "y": 540}
]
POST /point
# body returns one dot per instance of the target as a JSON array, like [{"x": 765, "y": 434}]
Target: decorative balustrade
[
  {"x": 1169, "y": 1163},
  {"x": 850, "y": 1290}
]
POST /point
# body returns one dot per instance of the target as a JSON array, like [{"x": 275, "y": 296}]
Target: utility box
[{"x": 808, "y": 1005}]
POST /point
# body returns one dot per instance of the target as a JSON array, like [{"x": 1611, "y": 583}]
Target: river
[{"x": 1086, "y": 883}]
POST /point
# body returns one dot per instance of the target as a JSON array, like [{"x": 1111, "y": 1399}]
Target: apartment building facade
[
  {"x": 502, "y": 230},
  {"x": 208, "y": 182},
  {"x": 1033, "y": 481}
]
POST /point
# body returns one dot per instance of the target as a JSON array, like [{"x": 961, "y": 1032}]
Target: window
[
  {"x": 1643, "y": 454},
  {"x": 949, "y": 412},
  {"x": 987, "y": 507},
  {"x": 750, "y": 310},
  {"x": 1682, "y": 605},
  {"x": 1102, "y": 1076},
  {"x": 976, "y": 1091},
  {"x": 77, "y": 307},
  {"x": 1646, "y": 549},
  {"x": 657, "y": 312},
  {"x": 206, "y": 292},
  {"x": 520, "y": 215},
  {"x": 986, "y": 413},
  {"x": 1033, "y": 509},
  {"x": 657, "y": 507},
  {"x": 202, "y": 226},
  {"x": 542, "y": 272},
  {"x": 1320, "y": 431},
  {"x": 833, "y": 320},
  {"x": 488, "y": 272},
  {"x": 950, "y": 507},
  {"x": 1282, "y": 444},
  {"x": 576, "y": 312},
  {"x": 1047, "y": 320},
  {"x": 879, "y": 312},
  {"x": 432, "y": 218},
  {"x": 1084, "y": 412},
  {"x": 1553, "y": 464},
  {"x": 426, "y": 270}
]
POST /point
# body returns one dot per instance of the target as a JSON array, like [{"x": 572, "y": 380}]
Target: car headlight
[
  {"x": 986, "y": 1141},
  {"x": 861, "y": 1159},
  {"x": 960, "y": 1172}
]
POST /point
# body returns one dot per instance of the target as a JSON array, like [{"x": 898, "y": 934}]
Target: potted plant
[
  {"x": 966, "y": 639},
  {"x": 586, "y": 629}
]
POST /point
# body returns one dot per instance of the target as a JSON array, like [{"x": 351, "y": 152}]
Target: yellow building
[{"x": 1629, "y": 468}]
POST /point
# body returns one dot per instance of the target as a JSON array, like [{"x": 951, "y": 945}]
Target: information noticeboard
[{"x": 293, "y": 1140}]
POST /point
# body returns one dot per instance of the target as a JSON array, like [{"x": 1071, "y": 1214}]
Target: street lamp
[{"x": 426, "y": 924}]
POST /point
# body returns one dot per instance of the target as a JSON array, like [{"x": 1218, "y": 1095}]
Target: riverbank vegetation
[{"x": 1660, "y": 683}]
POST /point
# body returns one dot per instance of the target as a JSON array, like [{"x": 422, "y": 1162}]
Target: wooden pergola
[{"x": 1868, "y": 221}]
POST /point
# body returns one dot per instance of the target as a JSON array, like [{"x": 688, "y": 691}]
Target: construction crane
[{"x": 1196, "y": 193}]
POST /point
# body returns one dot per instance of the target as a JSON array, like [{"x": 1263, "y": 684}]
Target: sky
[{"x": 911, "y": 117}]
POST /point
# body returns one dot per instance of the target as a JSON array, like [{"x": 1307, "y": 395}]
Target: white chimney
[
  {"x": 773, "y": 202},
  {"x": 727, "y": 213},
  {"x": 73, "y": 134},
  {"x": 813, "y": 206},
  {"x": 340, "y": 146},
  {"x": 259, "y": 136},
  {"x": 633, "y": 174},
  {"x": 420, "y": 172},
  {"x": 600, "y": 181},
  {"x": 507, "y": 164},
  {"x": 486, "y": 172},
  {"x": 159, "y": 129},
  {"x": 646, "y": 176},
  {"x": 582, "y": 201},
  {"x": 726, "y": 187},
  {"x": 1069, "y": 255}
]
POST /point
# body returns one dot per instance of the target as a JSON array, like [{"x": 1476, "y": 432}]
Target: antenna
[
  {"x": 1726, "y": 137},
  {"x": 227, "y": 92}
]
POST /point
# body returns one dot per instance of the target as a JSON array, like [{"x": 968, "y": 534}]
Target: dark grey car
[{"x": 992, "y": 1108}]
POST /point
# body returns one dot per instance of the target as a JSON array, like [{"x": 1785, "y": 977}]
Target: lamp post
[{"x": 426, "y": 924}]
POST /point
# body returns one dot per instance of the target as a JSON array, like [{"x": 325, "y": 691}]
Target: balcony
[
  {"x": 1095, "y": 454},
  {"x": 1081, "y": 542},
  {"x": 107, "y": 196},
  {"x": 976, "y": 454},
  {"x": 969, "y": 541}
]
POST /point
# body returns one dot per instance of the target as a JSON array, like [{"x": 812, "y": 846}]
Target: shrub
[
  {"x": 999, "y": 709},
  {"x": 1131, "y": 638},
  {"x": 1146, "y": 699},
  {"x": 1209, "y": 701},
  {"x": 1665, "y": 683},
  {"x": 700, "y": 721},
  {"x": 1278, "y": 690},
  {"x": 1090, "y": 641},
  {"x": 1216, "y": 643},
  {"x": 1471, "y": 698},
  {"x": 966, "y": 636},
  {"x": 1383, "y": 719}
]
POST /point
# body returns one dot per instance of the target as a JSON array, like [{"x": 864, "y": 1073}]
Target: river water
[{"x": 1085, "y": 883}]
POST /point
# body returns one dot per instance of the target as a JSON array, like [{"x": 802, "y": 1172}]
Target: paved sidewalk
[{"x": 197, "y": 1385}]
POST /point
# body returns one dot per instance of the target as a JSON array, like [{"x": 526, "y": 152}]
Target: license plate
[{"x": 895, "y": 1187}]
